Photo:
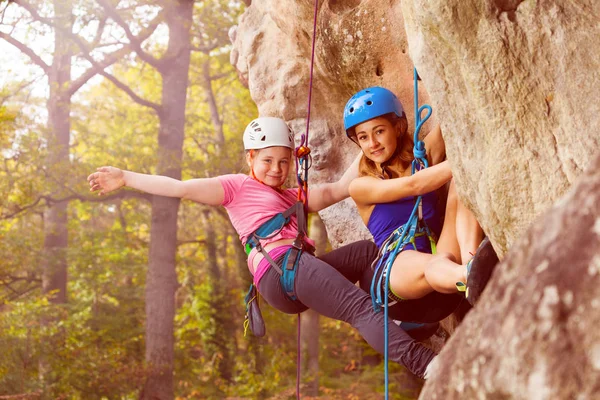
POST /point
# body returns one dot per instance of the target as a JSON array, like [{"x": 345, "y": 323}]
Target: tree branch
[
  {"x": 110, "y": 58},
  {"x": 3, "y": 12},
  {"x": 27, "y": 51},
  {"x": 135, "y": 42},
  {"x": 219, "y": 76},
  {"x": 123, "y": 194},
  {"x": 14, "y": 279},
  {"x": 101, "y": 26},
  {"x": 34, "y": 13},
  {"x": 18, "y": 89},
  {"x": 12, "y": 298},
  {"x": 96, "y": 68},
  {"x": 131, "y": 93},
  {"x": 206, "y": 49}
]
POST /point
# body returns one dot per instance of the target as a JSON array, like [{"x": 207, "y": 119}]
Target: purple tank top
[{"x": 386, "y": 217}]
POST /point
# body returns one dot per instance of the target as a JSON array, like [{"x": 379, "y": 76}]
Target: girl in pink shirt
[{"x": 325, "y": 284}]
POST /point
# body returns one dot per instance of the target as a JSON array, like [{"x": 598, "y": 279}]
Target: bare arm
[
  {"x": 206, "y": 191},
  {"x": 436, "y": 148},
  {"x": 368, "y": 190},
  {"x": 324, "y": 195}
]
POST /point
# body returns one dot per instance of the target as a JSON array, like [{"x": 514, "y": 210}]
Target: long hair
[{"x": 399, "y": 161}]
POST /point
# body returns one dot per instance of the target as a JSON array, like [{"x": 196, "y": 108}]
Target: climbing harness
[
  {"x": 291, "y": 257},
  {"x": 403, "y": 236},
  {"x": 274, "y": 225}
]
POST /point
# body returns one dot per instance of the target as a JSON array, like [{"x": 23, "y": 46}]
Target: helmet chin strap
[
  {"x": 254, "y": 176},
  {"x": 256, "y": 179}
]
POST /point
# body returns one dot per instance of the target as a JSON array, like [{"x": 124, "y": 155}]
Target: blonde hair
[{"x": 399, "y": 161}]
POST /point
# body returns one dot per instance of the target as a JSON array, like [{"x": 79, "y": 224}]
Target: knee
[
  {"x": 432, "y": 266},
  {"x": 443, "y": 255}
]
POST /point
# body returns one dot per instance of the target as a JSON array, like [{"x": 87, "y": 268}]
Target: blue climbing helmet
[{"x": 368, "y": 104}]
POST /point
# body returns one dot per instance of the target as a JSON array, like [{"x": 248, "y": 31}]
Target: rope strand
[
  {"x": 406, "y": 232},
  {"x": 302, "y": 166}
]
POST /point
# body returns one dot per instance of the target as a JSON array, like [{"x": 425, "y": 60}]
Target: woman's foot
[{"x": 479, "y": 271}]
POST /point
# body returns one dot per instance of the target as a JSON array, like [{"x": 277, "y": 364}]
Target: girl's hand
[{"x": 106, "y": 180}]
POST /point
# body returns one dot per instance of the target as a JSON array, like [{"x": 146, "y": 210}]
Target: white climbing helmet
[{"x": 268, "y": 132}]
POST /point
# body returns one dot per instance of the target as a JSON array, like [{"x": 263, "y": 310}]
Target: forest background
[{"x": 132, "y": 296}]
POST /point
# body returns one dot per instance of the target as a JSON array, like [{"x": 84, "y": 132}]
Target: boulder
[
  {"x": 516, "y": 87},
  {"x": 534, "y": 334}
]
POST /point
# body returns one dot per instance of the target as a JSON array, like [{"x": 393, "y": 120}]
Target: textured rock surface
[
  {"x": 514, "y": 85},
  {"x": 534, "y": 335}
]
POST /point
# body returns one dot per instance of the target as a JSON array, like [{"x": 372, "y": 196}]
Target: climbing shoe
[{"x": 479, "y": 271}]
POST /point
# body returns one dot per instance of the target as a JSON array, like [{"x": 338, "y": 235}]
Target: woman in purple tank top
[{"x": 385, "y": 192}]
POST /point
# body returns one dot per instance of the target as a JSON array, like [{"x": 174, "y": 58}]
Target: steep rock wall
[
  {"x": 516, "y": 87},
  {"x": 534, "y": 335}
]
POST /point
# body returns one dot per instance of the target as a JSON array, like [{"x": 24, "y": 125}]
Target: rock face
[
  {"x": 534, "y": 335},
  {"x": 514, "y": 85}
]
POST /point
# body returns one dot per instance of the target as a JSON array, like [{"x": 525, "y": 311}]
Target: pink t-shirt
[{"x": 249, "y": 204}]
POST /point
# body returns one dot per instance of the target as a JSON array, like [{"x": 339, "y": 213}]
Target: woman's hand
[{"x": 106, "y": 180}]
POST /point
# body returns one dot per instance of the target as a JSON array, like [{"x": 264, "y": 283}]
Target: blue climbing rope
[
  {"x": 303, "y": 164},
  {"x": 402, "y": 236}
]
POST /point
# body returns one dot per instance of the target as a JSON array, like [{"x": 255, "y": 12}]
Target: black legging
[{"x": 326, "y": 285}]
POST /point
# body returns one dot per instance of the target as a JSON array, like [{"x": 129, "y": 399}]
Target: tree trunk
[
  {"x": 59, "y": 126},
  {"x": 54, "y": 261},
  {"x": 310, "y": 318},
  {"x": 161, "y": 278},
  {"x": 219, "y": 302}
]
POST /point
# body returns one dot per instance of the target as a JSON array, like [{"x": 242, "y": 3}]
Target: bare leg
[
  {"x": 442, "y": 272},
  {"x": 461, "y": 235},
  {"x": 416, "y": 274},
  {"x": 448, "y": 243},
  {"x": 413, "y": 276},
  {"x": 407, "y": 278},
  {"x": 468, "y": 233}
]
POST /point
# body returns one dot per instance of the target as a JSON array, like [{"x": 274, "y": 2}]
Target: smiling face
[
  {"x": 270, "y": 165},
  {"x": 377, "y": 138}
]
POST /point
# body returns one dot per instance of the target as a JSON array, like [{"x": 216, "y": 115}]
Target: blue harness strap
[
  {"x": 288, "y": 276},
  {"x": 292, "y": 256}
]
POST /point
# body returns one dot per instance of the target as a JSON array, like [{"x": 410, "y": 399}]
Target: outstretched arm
[
  {"x": 369, "y": 190},
  {"x": 206, "y": 191},
  {"x": 324, "y": 195}
]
